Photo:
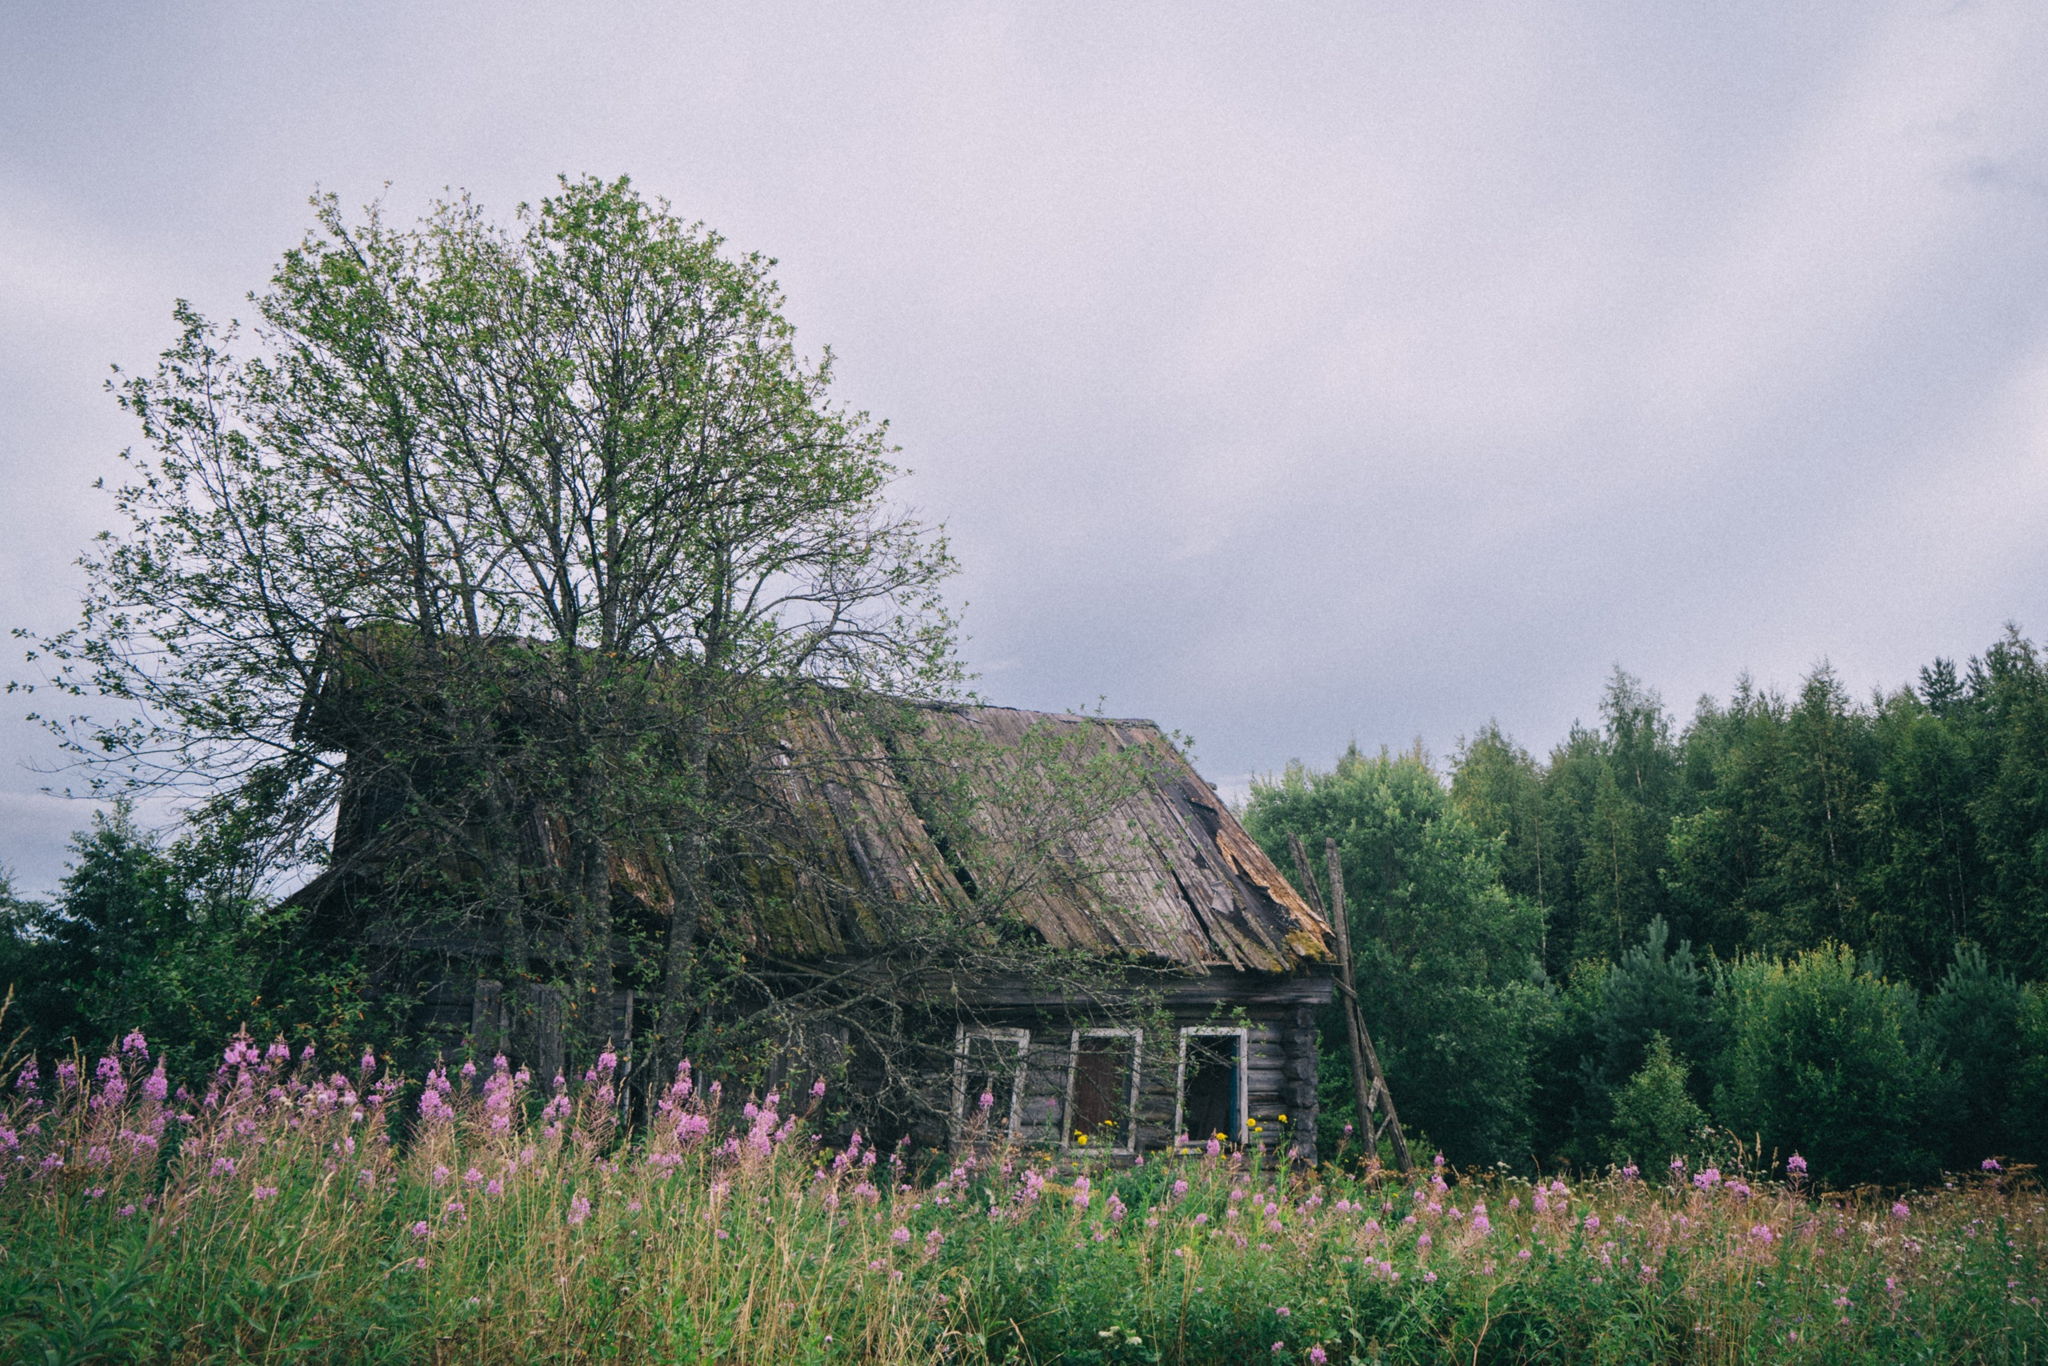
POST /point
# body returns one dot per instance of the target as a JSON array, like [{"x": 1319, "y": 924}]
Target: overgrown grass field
[{"x": 299, "y": 1211}]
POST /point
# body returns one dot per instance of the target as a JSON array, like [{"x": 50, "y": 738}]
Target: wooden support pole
[
  {"x": 1361, "y": 1079},
  {"x": 1361, "y": 1037}
]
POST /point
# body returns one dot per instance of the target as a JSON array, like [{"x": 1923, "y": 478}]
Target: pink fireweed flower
[
  {"x": 494, "y": 1187},
  {"x": 579, "y": 1209},
  {"x": 818, "y": 1089},
  {"x": 985, "y": 1102},
  {"x": 899, "y": 1236},
  {"x": 264, "y": 1192},
  {"x": 1180, "y": 1187},
  {"x": 1317, "y": 1356},
  {"x": 1990, "y": 1164},
  {"x": 1592, "y": 1223},
  {"x": 1796, "y": 1165},
  {"x": 1481, "y": 1225},
  {"x": 473, "y": 1177},
  {"x": 1763, "y": 1233},
  {"x": 1677, "y": 1166},
  {"x": 1899, "y": 1210},
  {"x": 1282, "y": 1311},
  {"x": 133, "y": 1042},
  {"x": 1630, "y": 1172},
  {"x": 420, "y": 1228},
  {"x": 223, "y": 1166},
  {"x": 1709, "y": 1178}
]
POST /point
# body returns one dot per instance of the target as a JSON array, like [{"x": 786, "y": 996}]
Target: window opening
[
  {"x": 989, "y": 1062},
  {"x": 1102, "y": 1089},
  {"x": 1211, "y": 1089}
]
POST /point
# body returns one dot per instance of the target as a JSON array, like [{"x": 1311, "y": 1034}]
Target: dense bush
[
  {"x": 1821, "y": 1055},
  {"x": 173, "y": 940}
]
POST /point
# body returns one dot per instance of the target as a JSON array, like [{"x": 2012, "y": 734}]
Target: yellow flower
[
  {"x": 1080, "y": 1138},
  {"x": 1283, "y": 1119}
]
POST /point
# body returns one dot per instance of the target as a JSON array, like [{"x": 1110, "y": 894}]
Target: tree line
[{"x": 1797, "y": 922}]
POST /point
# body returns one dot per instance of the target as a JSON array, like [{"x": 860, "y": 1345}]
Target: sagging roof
[
  {"x": 1157, "y": 868},
  {"x": 1149, "y": 864}
]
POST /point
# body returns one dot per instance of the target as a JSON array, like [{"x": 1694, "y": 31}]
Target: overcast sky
[{"x": 1290, "y": 374}]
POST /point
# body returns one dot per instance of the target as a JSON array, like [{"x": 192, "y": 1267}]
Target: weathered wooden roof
[
  {"x": 1094, "y": 832},
  {"x": 1146, "y": 862}
]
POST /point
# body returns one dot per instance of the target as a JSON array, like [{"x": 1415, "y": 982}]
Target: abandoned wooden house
[{"x": 1200, "y": 1018}]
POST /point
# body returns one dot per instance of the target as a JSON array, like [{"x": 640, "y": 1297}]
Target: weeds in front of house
[{"x": 292, "y": 1212}]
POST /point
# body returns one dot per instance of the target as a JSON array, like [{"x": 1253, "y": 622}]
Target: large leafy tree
[
  {"x": 1445, "y": 957},
  {"x": 551, "y": 519}
]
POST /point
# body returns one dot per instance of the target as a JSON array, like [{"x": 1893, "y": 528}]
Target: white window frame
[
  {"x": 1127, "y": 1127},
  {"x": 1243, "y": 1035},
  {"x": 1019, "y": 1037}
]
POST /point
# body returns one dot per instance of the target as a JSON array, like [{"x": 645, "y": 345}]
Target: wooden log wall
[{"x": 1280, "y": 1077}]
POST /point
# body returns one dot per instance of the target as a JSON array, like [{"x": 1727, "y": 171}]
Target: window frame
[
  {"x": 1243, "y": 1035},
  {"x": 1000, "y": 1034},
  {"x": 1128, "y": 1127}
]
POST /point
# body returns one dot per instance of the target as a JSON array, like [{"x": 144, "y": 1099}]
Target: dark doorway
[{"x": 1099, "y": 1112}]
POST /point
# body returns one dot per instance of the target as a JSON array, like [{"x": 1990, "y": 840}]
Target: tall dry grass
[{"x": 292, "y": 1213}]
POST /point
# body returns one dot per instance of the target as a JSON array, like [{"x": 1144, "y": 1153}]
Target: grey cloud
[{"x": 1287, "y": 374}]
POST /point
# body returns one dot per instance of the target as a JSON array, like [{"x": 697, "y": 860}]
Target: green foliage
[
  {"x": 1823, "y": 1057},
  {"x": 1609, "y": 1015},
  {"x": 1444, "y": 956},
  {"x": 2027, "y": 1110},
  {"x": 1655, "y": 1116},
  {"x": 1973, "y": 1020},
  {"x": 167, "y": 939}
]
